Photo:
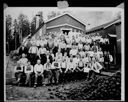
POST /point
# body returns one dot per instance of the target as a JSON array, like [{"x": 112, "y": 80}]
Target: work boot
[
  {"x": 44, "y": 85},
  {"x": 35, "y": 86},
  {"x": 26, "y": 82}
]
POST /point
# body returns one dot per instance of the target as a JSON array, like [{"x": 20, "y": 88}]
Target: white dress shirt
[
  {"x": 23, "y": 61},
  {"x": 33, "y": 50},
  {"x": 38, "y": 68},
  {"x": 96, "y": 67},
  {"x": 73, "y": 51}
]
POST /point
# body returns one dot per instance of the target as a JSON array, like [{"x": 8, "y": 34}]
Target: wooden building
[
  {"x": 111, "y": 30},
  {"x": 64, "y": 23}
]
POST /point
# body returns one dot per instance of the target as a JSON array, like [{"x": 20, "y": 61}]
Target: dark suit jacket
[{"x": 21, "y": 51}]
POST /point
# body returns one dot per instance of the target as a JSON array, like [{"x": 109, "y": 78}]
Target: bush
[{"x": 14, "y": 55}]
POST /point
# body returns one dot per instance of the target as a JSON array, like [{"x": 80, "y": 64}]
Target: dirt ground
[{"x": 96, "y": 89}]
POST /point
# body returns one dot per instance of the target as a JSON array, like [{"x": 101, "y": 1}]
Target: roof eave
[{"x": 65, "y": 14}]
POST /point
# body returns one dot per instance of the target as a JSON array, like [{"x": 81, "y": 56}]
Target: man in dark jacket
[{"x": 22, "y": 50}]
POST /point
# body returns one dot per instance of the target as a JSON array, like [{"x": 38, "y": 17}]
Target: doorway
[{"x": 65, "y": 30}]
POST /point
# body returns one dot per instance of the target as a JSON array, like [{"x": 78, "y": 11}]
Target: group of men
[{"x": 61, "y": 58}]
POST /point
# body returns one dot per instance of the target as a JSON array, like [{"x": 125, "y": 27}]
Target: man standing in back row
[{"x": 33, "y": 53}]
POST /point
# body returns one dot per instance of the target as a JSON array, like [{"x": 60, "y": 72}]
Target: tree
[
  {"x": 23, "y": 26},
  {"x": 53, "y": 14},
  {"x": 16, "y": 34},
  {"x": 8, "y": 32}
]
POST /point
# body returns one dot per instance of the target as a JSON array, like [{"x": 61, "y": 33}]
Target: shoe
[
  {"x": 35, "y": 86},
  {"x": 19, "y": 84},
  {"x": 26, "y": 83}
]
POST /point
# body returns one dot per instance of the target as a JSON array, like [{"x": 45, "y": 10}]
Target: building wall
[
  {"x": 58, "y": 29},
  {"x": 110, "y": 30},
  {"x": 65, "y": 19},
  {"x": 118, "y": 32},
  {"x": 100, "y": 31}
]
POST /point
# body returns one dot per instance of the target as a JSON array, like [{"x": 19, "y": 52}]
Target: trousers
[{"x": 37, "y": 75}]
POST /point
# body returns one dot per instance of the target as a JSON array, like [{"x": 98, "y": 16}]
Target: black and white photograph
[{"x": 64, "y": 53}]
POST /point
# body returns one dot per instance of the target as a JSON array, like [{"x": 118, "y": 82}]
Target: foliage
[
  {"x": 53, "y": 14},
  {"x": 24, "y": 25},
  {"x": 14, "y": 55}
]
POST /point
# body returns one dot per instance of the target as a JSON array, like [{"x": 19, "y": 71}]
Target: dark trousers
[
  {"x": 18, "y": 76},
  {"x": 43, "y": 59},
  {"x": 68, "y": 50},
  {"x": 91, "y": 74},
  {"x": 55, "y": 75},
  {"x": 47, "y": 76},
  {"x": 107, "y": 65},
  {"x": 63, "y": 75},
  {"x": 28, "y": 77},
  {"x": 70, "y": 76},
  {"x": 63, "y": 51},
  {"x": 33, "y": 58}
]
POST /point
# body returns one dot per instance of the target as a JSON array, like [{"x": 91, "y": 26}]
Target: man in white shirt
[
  {"x": 81, "y": 53},
  {"x": 56, "y": 69},
  {"x": 80, "y": 68},
  {"x": 47, "y": 72},
  {"x": 80, "y": 46},
  {"x": 38, "y": 70},
  {"x": 23, "y": 61},
  {"x": 19, "y": 69},
  {"x": 71, "y": 65},
  {"x": 63, "y": 65},
  {"x": 65, "y": 57},
  {"x": 87, "y": 47},
  {"x": 91, "y": 53},
  {"x": 70, "y": 70},
  {"x": 95, "y": 47},
  {"x": 96, "y": 66},
  {"x": 33, "y": 51},
  {"x": 58, "y": 56},
  {"x": 73, "y": 51},
  {"x": 87, "y": 68},
  {"x": 99, "y": 52},
  {"x": 101, "y": 60},
  {"x": 38, "y": 43},
  {"x": 42, "y": 54},
  {"x": 28, "y": 72}
]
